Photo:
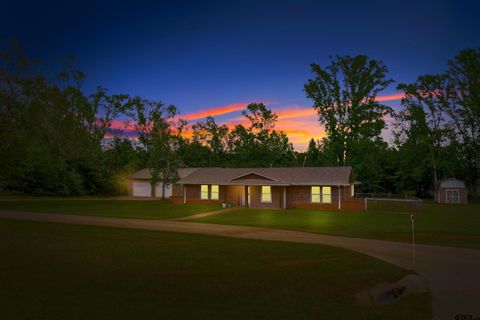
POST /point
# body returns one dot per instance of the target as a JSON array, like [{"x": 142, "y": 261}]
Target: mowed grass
[
  {"x": 448, "y": 225},
  {"x": 141, "y": 209},
  {"x": 55, "y": 271}
]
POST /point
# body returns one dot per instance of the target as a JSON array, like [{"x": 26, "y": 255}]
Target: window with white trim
[
  {"x": 326, "y": 194},
  {"x": 204, "y": 192},
  {"x": 214, "y": 191},
  {"x": 266, "y": 196},
  {"x": 315, "y": 194}
]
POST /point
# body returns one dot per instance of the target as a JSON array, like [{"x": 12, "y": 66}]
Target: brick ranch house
[{"x": 324, "y": 188}]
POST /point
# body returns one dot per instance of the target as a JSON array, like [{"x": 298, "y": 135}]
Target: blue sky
[{"x": 207, "y": 54}]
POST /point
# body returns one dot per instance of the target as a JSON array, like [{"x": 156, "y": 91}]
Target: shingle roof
[
  {"x": 144, "y": 174},
  {"x": 451, "y": 183},
  {"x": 271, "y": 176}
]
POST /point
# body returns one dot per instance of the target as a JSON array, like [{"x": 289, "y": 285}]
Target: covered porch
[{"x": 238, "y": 195}]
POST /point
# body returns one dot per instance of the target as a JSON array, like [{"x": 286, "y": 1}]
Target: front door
[{"x": 452, "y": 196}]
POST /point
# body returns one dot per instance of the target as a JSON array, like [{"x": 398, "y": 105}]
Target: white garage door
[
  {"x": 168, "y": 190},
  {"x": 142, "y": 189}
]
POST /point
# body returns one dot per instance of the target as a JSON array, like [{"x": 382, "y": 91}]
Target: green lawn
[
  {"x": 141, "y": 209},
  {"x": 450, "y": 225},
  {"x": 438, "y": 224},
  {"x": 55, "y": 271}
]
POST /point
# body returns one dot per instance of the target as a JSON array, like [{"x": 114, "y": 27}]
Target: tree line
[{"x": 55, "y": 139}]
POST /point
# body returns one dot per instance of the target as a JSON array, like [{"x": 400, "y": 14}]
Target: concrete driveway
[{"x": 453, "y": 274}]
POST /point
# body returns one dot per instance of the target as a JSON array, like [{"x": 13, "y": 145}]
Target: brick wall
[
  {"x": 177, "y": 190},
  {"x": 255, "y": 198},
  {"x": 296, "y": 197},
  {"x": 193, "y": 195},
  {"x": 130, "y": 188},
  {"x": 300, "y": 197},
  {"x": 353, "y": 205}
]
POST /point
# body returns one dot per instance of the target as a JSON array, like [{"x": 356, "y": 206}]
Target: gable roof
[
  {"x": 275, "y": 176},
  {"x": 451, "y": 183},
  {"x": 251, "y": 173},
  {"x": 144, "y": 174}
]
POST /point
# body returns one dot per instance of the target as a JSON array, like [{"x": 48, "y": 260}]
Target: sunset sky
[{"x": 215, "y": 57}]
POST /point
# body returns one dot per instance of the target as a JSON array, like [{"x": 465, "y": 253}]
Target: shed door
[
  {"x": 452, "y": 196},
  {"x": 168, "y": 190},
  {"x": 142, "y": 189}
]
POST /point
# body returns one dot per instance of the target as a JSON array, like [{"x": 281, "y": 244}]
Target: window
[
  {"x": 204, "y": 192},
  {"x": 266, "y": 194},
  {"x": 353, "y": 190},
  {"x": 214, "y": 192},
  {"x": 315, "y": 192},
  {"x": 327, "y": 194}
]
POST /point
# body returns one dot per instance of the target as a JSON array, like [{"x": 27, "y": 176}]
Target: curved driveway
[{"x": 453, "y": 274}]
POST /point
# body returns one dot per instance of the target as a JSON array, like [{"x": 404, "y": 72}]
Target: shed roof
[
  {"x": 271, "y": 176},
  {"x": 451, "y": 183}
]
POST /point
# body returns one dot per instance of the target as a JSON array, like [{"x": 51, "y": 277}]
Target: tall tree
[
  {"x": 262, "y": 120},
  {"x": 344, "y": 95},
  {"x": 101, "y": 109},
  {"x": 463, "y": 77},
  {"x": 413, "y": 144},
  {"x": 259, "y": 144},
  {"x": 212, "y": 135},
  {"x": 442, "y": 113},
  {"x": 424, "y": 103},
  {"x": 46, "y": 148},
  {"x": 156, "y": 129},
  {"x": 313, "y": 154}
]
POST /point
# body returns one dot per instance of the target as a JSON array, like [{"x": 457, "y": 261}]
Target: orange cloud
[
  {"x": 390, "y": 97},
  {"x": 286, "y": 113},
  {"x": 296, "y": 112},
  {"x": 299, "y": 123},
  {"x": 300, "y": 130},
  {"x": 123, "y": 125},
  {"x": 214, "y": 111}
]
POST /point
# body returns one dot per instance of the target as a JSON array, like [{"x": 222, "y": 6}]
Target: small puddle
[
  {"x": 391, "y": 296},
  {"x": 388, "y": 293}
]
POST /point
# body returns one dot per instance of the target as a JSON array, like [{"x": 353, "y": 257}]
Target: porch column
[
  {"x": 242, "y": 199},
  {"x": 284, "y": 197},
  {"x": 339, "y": 199},
  {"x": 184, "y": 195}
]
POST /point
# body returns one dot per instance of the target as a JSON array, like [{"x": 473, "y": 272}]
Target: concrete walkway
[
  {"x": 453, "y": 274},
  {"x": 204, "y": 214}
]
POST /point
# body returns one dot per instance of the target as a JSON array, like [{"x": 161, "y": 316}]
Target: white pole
[
  {"x": 339, "y": 199},
  {"x": 412, "y": 218}
]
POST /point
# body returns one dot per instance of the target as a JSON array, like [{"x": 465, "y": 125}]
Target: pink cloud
[
  {"x": 214, "y": 111},
  {"x": 390, "y": 97},
  {"x": 298, "y": 122}
]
